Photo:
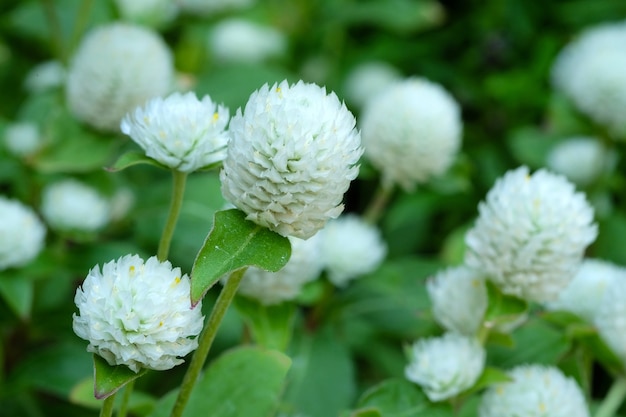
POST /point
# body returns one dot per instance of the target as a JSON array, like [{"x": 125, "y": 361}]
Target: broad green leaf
[
  {"x": 503, "y": 309},
  {"x": 82, "y": 394},
  {"x": 490, "y": 376},
  {"x": 243, "y": 382},
  {"x": 17, "y": 291},
  {"x": 232, "y": 244},
  {"x": 131, "y": 158},
  {"x": 109, "y": 379},
  {"x": 271, "y": 326}
]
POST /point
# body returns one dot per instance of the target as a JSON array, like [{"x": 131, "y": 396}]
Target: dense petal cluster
[
  {"x": 590, "y": 71},
  {"x": 180, "y": 131},
  {"x": 531, "y": 234},
  {"x": 116, "y": 68},
  {"x": 138, "y": 313},
  {"x": 22, "y": 138},
  {"x": 445, "y": 366},
  {"x": 581, "y": 159},
  {"x": 351, "y": 247},
  {"x": 411, "y": 131},
  {"x": 610, "y": 317},
  {"x": 72, "y": 205},
  {"x": 292, "y": 154},
  {"x": 303, "y": 266},
  {"x": 368, "y": 80},
  {"x": 239, "y": 40},
  {"x": 535, "y": 391},
  {"x": 21, "y": 234},
  {"x": 459, "y": 298}
]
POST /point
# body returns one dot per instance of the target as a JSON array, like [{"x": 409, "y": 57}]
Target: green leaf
[
  {"x": 234, "y": 243},
  {"x": 243, "y": 382},
  {"x": 271, "y": 326},
  {"x": 82, "y": 394},
  {"x": 490, "y": 376},
  {"x": 109, "y": 379},
  {"x": 130, "y": 158},
  {"x": 365, "y": 412},
  {"x": 530, "y": 146},
  {"x": 17, "y": 291},
  {"x": 503, "y": 309}
]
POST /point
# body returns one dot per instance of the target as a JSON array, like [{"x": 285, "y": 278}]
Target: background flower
[
  {"x": 610, "y": 317},
  {"x": 239, "y": 40},
  {"x": 21, "y": 234},
  {"x": 369, "y": 79},
  {"x": 581, "y": 159}
]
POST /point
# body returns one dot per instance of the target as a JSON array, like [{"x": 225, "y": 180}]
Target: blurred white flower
[
  {"x": 180, "y": 131},
  {"x": 121, "y": 203},
  {"x": 212, "y": 7},
  {"x": 590, "y": 71},
  {"x": 116, "y": 68},
  {"x": 581, "y": 159},
  {"x": 459, "y": 298},
  {"x": 368, "y": 79},
  {"x": 22, "y": 234},
  {"x": 584, "y": 294},
  {"x": 275, "y": 287},
  {"x": 70, "y": 205},
  {"x": 535, "y": 391},
  {"x": 531, "y": 234},
  {"x": 138, "y": 314},
  {"x": 45, "y": 76},
  {"x": 22, "y": 138},
  {"x": 152, "y": 13},
  {"x": 292, "y": 154},
  {"x": 411, "y": 131},
  {"x": 610, "y": 317},
  {"x": 445, "y": 366},
  {"x": 351, "y": 247},
  {"x": 238, "y": 40}
]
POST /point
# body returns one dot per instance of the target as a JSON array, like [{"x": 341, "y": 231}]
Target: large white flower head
[
  {"x": 590, "y": 71},
  {"x": 445, "y": 366},
  {"x": 368, "y": 79},
  {"x": 351, "y": 247},
  {"x": 610, "y": 317},
  {"x": 535, "y": 391},
  {"x": 531, "y": 234},
  {"x": 239, "y": 40},
  {"x": 292, "y": 154},
  {"x": 581, "y": 159},
  {"x": 22, "y": 138},
  {"x": 22, "y": 234},
  {"x": 116, "y": 68},
  {"x": 303, "y": 266},
  {"x": 138, "y": 313},
  {"x": 459, "y": 298},
  {"x": 584, "y": 294},
  {"x": 180, "y": 131},
  {"x": 411, "y": 131},
  {"x": 152, "y": 13},
  {"x": 70, "y": 205}
]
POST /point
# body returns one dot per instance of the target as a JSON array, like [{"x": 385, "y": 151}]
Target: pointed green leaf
[
  {"x": 490, "y": 376},
  {"x": 271, "y": 326},
  {"x": 108, "y": 379},
  {"x": 503, "y": 309},
  {"x": 232, "y": 244},
  {"x": 17, "y": 292},
  {"x": 131, "y": 158},
  {"x": 82, "y": 394}
]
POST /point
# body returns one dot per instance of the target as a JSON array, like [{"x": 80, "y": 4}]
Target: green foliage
[
  {"x": 108, "y": 379},
  {"x": 271, "y": 326}
]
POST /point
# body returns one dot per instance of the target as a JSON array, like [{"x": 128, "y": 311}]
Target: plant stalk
[
  {"x": 614, "y": 398},
  {"x": 378, "y": 204},
  {"x": 107, "y": 406},
  {"x": 125, "y": 399},
  {"x": 178, "y": 191}
]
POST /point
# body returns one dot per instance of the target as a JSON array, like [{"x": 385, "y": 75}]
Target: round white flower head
[
  {"x": 459, "y": 298},
  {"x": 275, "y": 287},
  {"x": 531, "y": 234},
  {"x": 292, "y": 154},
  {"x": 584, "y": 294},
  {"x": 45, "y": 76},
  {"x": 70, "y": 205},
  {"x": 152, "y": 13},
  {"x": 180, "y": 131},
  {"x": 368, "y": 79},
  {"x": 116, "y": 68},
  {"x": 212, "y": 7},
  {"x": 590, "y": 71},
  {"x": 22, "y": 234},
  {"x": 351, "y": 247},
  {"x": 610, "y": 318},
  {"x": 535, "y": 391},
  {"x": 238, "y": 40},
  {"x": 22, "y": 138},
  {"x": 138, "y": 314},
  {"x": 411, "y": 131},
  {"x": 445, "y": 366},
  {"x": 581, "y": 159}
]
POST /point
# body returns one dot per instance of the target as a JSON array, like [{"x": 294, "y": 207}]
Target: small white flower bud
[{"x": 22, "y": 234}]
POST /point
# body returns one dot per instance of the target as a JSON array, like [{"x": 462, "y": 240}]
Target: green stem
[
  {"x": 206, "y": 340},
  {"x": 377, "y": 206},
  {"x": 56, "y": 34},
  {"x": 107, "y": 406},
  {"x": 178, "y": 191},
  {"x": 613, "y": 399},
  {"x": 125, "y": 399},
  {"x": 483, "y": 333},
  {"x": 84, "y": 12}
]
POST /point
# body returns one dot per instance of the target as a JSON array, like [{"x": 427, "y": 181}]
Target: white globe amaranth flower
[
  {"x": 212, "y": 7},
  {"x": 152, "y": 13},
  {"x": 590, "y": 72},
  {"x": 180, "y": 131},
  {"x": 275, "y": 287},
  {"x": 351, "y": 247},
  {"x": 368, "y": 79},
  {"x": 22, "y": 234},
  {"x": 70, "y": 205},
  {"x": 610, "y": 317},
  {"x": 584, "y": 293},
  {"x": 445, "y": 366},
  {"x": 292, "y": 154},
  {"x": 459, "y": 299},
  {"x": 531, "y": 234},
  {"x": 138, "y": 313},
  {"x": 22, "y": 138},
  {"x": 581, "y": 159},
  {"x": 239, "y": 40},
  {"x": 45, "y": 76},
  {"x": 411, "y": 131},
  {"x": 535, "y": 391},
  {"x": 116, "y": 68}
]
